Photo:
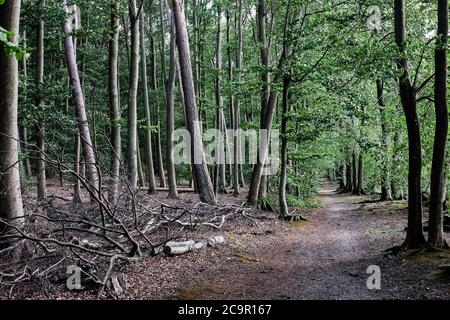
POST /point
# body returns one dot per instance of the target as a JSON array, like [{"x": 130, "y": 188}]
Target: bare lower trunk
[
  {"x": 170, "y": 84},
  {"x": 40, "y": 127},
  {"x": 237, "y": 108},
  {"x": 10, "y": 194},
  {"x": 354, "y": 173},
  {"x": 386, "y": 192},
  {"x": 148, "y": 134},
  {"x": 219, "y": 183},
  {"x": 114, "y": 105},
  {"x": 284, "y": 209},
  {"x": 202, "y": 177},
  {"x": 132, "y": 96},
  {"x": 436, "y": 228},
  {"x": 415, "y": 237},
  {"x": 361, "y": 173},
  {"x": 80, "y": 109},
  {"x": 76, "y": 169},
  {"x": 154, "y": 85}
]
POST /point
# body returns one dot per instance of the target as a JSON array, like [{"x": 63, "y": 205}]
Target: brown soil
[{"x": 324, "y": 258}]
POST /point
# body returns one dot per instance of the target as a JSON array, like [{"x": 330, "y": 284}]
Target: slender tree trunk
[
  {"x": 148, "y": 123},
  {"x": 76, "y": 169},
  {"x": 132, "y": 96},
  {"x": 154, "y": 86},
  {"x": 141, "y": 178},
  {"x": 436, "y": 229},
  {"x": 10, "y": 194},
  {"x": 284, "y": 209},
  {"x": 114, "y": 104},
  {"x": 415, "y": 237},
  {"x": 202, "y": 177},
  {"x": 349, "y": 179},
  {"x": 386, "y": 192},
  {"x": 361, "y": 173},
  {"x": 170, "y": 85},
  {"x": 40, "y": 127},
  {"x": 231, "y": 100},
  {"x": 396, "y": 184},
  {"x": 237, "y": 107},
  {"x": 354, "y": 173},
  {"x": 26, "y": 162},
  {"x": 80, "y": 109},
  {"x": 220, "y": 182}
]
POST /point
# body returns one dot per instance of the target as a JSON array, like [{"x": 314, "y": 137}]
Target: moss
[
  {"x": 198, "y": 292},
  {"x": 297, "y": 225}
]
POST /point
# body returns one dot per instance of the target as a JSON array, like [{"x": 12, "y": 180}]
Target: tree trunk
[
  {"x": 80, "y": 109},
  {"x": 349, "y": 178},
  {"x": 148, "y": 123},
  {"x": 284, "y": 209},
  {"x": 132, "y": 96},
  {"x": 237, "y": 108},
  {"x": 202, "y": 177},
  {"x": 386, "y": 192},
  {"x": 361, "y": 174},
  {"x": 10, "y": 195},
  {"x": 220, "y": 121},
  {"x": 258, "y": 180},
  {"x": 114, "y": 104},
  {"x": 415, "y": 237},
  {"x": 354, "y": 174},
  {"x": 170, "y": 84},
  {"x": 40, "y": 127},
  {"x": 436, "y": 228},
  {"x": 154, "y": 85}
]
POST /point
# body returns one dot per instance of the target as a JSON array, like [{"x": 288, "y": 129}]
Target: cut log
[
  {"x": 178, "y": 248},
  {"x": 215, "y": 240}
]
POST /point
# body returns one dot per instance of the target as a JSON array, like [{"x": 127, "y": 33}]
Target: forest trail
[{"x": 324, "y": 258}]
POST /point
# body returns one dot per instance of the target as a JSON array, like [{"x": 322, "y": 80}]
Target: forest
[{"x": 224, "y": 149}]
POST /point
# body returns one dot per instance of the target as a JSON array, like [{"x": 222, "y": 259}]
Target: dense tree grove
[{"x": 93, "y": 93}]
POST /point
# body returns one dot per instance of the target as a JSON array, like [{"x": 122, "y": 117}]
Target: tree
[
  {"x": 40, "y": 127},
  {"x": 10, "y": 193},
  {"x": 114, "y": 103},
  {"x": 386, "y": 191},
  {"x": 170, "y": 85},
  {"x": 148, "y": 135},
  {"x": 202, "y": 177},
  {"x": 435, "y": 235},
  {"x": 415, "y": 237},
  {"x": 132, "y": 95},
  {"x": 80, "y": 107}
]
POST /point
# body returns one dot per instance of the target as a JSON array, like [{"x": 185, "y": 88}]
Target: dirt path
[{"x": 326, "y": 258}]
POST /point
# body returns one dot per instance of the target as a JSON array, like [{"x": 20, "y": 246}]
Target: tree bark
[
  {"x": 415, "y": 237},
  {"x": 148, "y": 123},
  {"x": 360, "y": 188},
  {"x": 237, "y": 107},
  {"x": 114, "y": 104},
  {"x": 284, "y": 209},
  {"x": 154, "y": 86},
  {"x": 219, "y": 182},
  {"x": 354, "y": 173},
  {"x": 132, "y": 96},
  {"x": 436, "y": 228},
  {"x": 202, "y": 177},
  {"x": 386, "y": 192},
  {"x": 10, "y": 194},
  {"x": 80, "y": 108},
  {"x": 40, "y": 127},
  {"x": 170, "y": 85}
]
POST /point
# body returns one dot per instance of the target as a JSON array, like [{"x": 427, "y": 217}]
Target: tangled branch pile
[{"x": 98, "y": 238}]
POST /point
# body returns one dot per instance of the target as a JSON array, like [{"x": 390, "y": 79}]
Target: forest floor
[{"x": 326, "y": 257}]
